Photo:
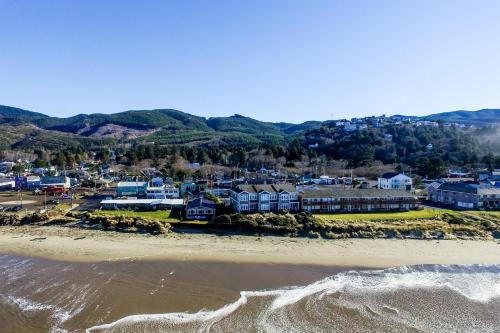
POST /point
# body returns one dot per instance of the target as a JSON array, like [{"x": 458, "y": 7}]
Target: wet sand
[
  {"x": 41, "y": 295},
  {"x": 72, "y": 244}
]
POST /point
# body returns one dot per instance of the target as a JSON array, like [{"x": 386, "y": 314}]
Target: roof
[
  {"x": 175, "y": 202},
  {"x": 200, "y": 202},
  {"x": 459, "y": 187},
  {"x": 54, "y": 179},
  {"x": 272, "y": 188},
  {"x": 390, "y": 175},
  {"x": 357, "y": 193},
  {"x": 128, "y": 184}
]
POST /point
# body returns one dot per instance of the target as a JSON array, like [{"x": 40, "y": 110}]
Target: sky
[{"x": 273, "y": 60}]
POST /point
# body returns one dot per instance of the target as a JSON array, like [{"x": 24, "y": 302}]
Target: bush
[
  {"x": 35, "y": 218},
  {"x": 313, "y": 234},
  {"x": 9, "y": 219},
  {"x": 223, "y": 219},
  {"x": 128, "y": 224}
]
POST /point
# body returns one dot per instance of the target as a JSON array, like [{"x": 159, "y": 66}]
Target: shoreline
[{"x": 79, "y": 245}]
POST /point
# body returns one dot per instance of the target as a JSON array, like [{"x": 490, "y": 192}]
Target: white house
[
  {"x": 395, "y": 181},
  {"x": 162, "y": 192}
]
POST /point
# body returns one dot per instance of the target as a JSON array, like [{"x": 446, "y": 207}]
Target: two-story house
[
  {"x": 395, "y": 181},
  {"x": 265, "y": 198},
  {"x": 465, "y": 195}
]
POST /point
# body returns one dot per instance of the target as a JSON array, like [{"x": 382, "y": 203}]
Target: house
[
  {"x": 200, "y": 209},
  {"x": 55, "y": 184},
  {"x": 27, "y": 182},
  {"x": 155, "y": 193},
  {"x": 157, "y": 182},
  {"x": 222, "y": 183},
  {"x": 162, "y": 192},
  {"x": 133, "y": 189},
  {"x": 193, "y": 166},
  {"x": 265, "y": 198},
  {"x": 7, "y": 184},
  {"x": 495, "y": 176},
  {"x": 466, "y": 195},
  {"x": 171, "y": 192},
  {"x": 6, "y": 166},
  {"x": 388, "y": 137},
  {"x": 357, "y": 200},
  {"x": 348, "y": 127},
  {"x": 187, "y": 187},
  {"x": 395, "y": 181}
]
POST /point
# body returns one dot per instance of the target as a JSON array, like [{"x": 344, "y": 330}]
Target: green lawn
[
  {"x": 410, "y": 215},
  {"x": 160, "y": 215}
]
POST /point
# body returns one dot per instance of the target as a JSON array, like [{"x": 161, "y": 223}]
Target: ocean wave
[{"x": 364, "y": 294}]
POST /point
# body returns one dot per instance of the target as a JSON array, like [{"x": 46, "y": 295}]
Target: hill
[
  {"x": 159, "y": 125},
  {"x": 169, "y": 126},
  {"x": 480, "y": 117},
  {"x": 10, "y": 114}
]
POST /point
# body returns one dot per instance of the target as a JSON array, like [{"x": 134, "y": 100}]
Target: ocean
[{"x": 38, "y": 295}]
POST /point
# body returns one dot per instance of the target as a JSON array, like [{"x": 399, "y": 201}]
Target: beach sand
[{"x": 72, "y": 244}]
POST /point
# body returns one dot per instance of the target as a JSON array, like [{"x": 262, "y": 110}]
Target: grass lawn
[
  {"x": 410, "y": 215},
  {"x": 160, "y": 215}
]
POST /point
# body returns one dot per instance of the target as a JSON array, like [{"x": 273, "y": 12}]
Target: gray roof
[
  {"x": 200, "y": 202},
  {"x": 272, "y": 188},
  {"x": 459, "y": 187},
  {"x": 357, "y": 193}
]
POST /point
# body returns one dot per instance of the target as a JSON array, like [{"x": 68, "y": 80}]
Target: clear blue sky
[{"x": 272, "y": 60}]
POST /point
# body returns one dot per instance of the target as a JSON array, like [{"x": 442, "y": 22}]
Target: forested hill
[
  {"x": 168, "y": 126},
  {"x": 427, "y": 144},
  {"x": 174, "y": 120},
  {"x": 146, "y": 122},
  {"x": 480, "y": 117}
]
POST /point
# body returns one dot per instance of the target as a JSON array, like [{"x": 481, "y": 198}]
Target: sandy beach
[{"x": 71, "y": 244}]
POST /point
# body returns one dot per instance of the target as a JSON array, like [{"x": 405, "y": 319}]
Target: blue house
[
  {"x": 187, "y": 187},
  {"x": 200, "y": 209}
]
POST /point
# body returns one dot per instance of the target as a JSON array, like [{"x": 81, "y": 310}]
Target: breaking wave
[{"x": 425, "y": 298}]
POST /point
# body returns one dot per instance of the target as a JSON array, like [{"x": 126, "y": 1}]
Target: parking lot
[{"x": 32, "y": 202}]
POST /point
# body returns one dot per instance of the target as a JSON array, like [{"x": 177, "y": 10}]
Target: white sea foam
[
  {"x": 27, "y": 305},
  {"x": 476, "y": 282}
]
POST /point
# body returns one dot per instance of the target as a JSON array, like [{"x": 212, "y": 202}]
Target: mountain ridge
[{"x": 159, "y": 124}]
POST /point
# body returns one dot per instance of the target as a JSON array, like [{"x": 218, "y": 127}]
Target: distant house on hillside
[{"x": 395, "y": 181}]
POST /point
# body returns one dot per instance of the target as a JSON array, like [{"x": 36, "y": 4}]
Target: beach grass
[
  {"x": 159, "y": 215},
  {"x": 384, "y": 216}
]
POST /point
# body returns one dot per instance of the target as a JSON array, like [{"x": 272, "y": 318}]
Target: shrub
[
  {"x": 223, "y": 219},
  {"x": 313, "y": 234},
  {"x": 9, "y": 219}
]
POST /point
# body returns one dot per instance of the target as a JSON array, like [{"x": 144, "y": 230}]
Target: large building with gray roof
[
  {"x": 466, "y": 195},
  {"x": 265, "y": 198},
  {"x": 357, "y": 200}
]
